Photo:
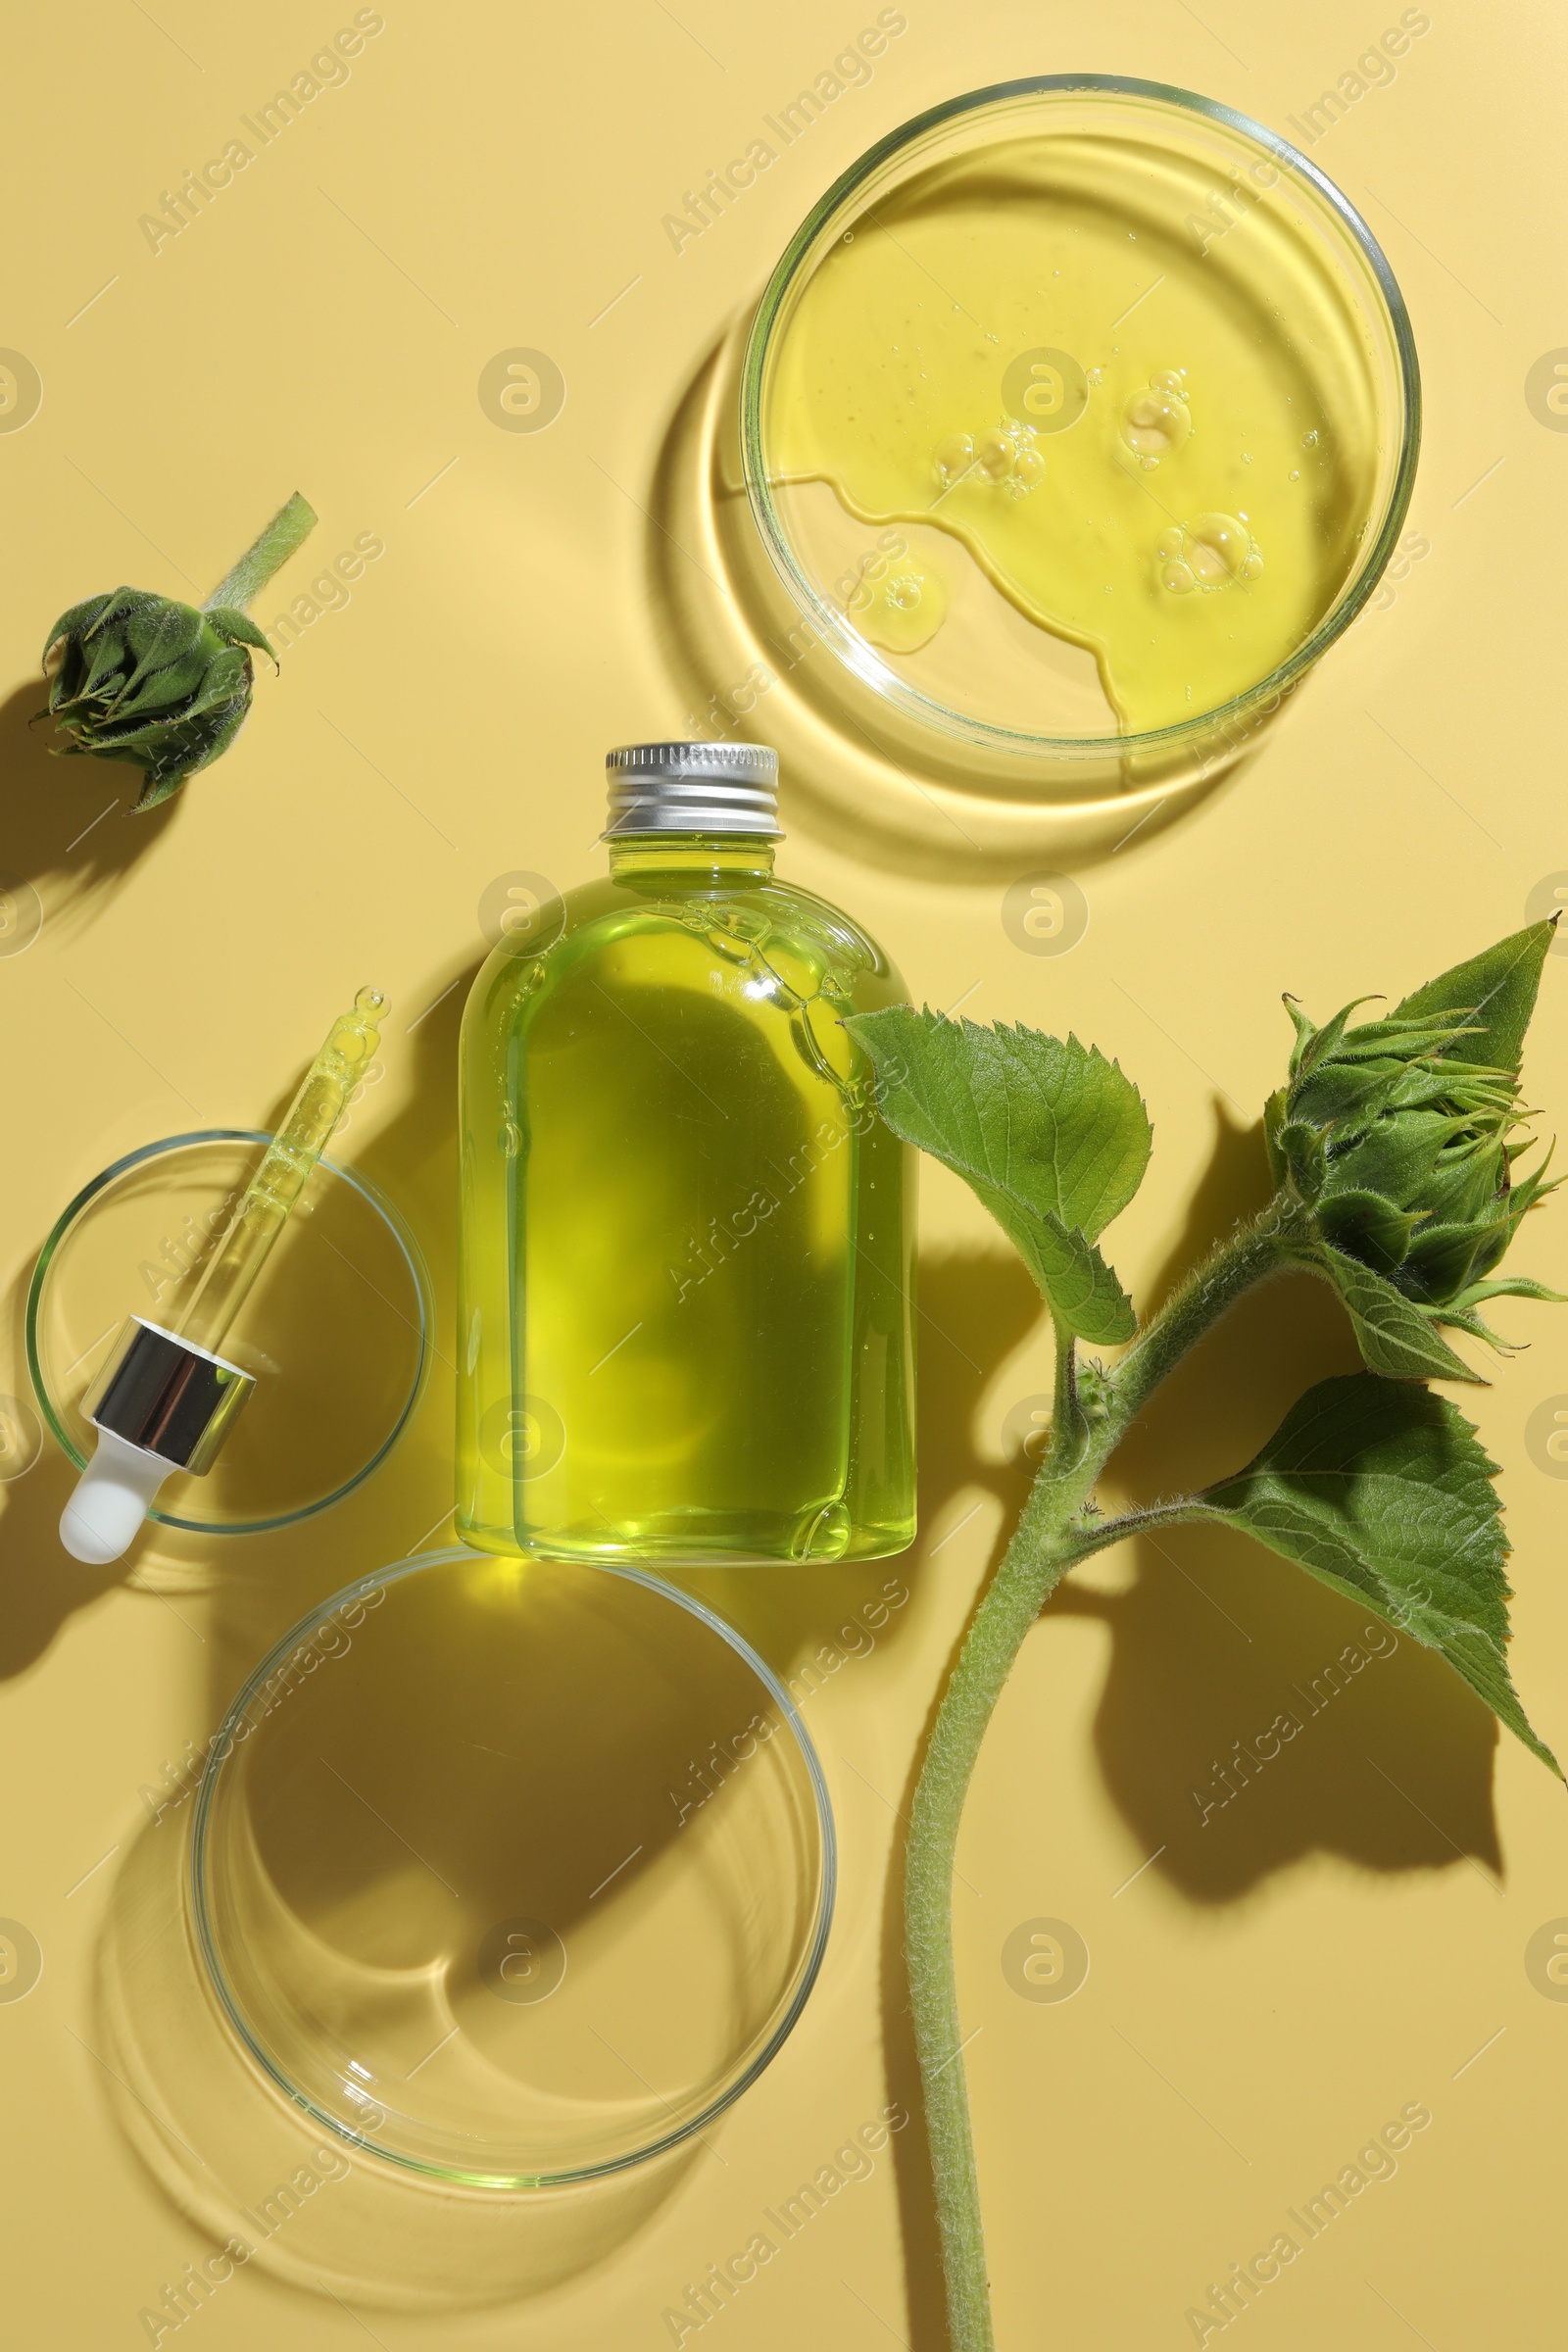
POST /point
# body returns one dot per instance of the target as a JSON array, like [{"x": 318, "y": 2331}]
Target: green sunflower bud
[
  {"x": 161, "y": 685},
  {"x": 1400, "y": 1139}
]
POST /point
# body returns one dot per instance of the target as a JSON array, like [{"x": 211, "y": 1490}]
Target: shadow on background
[
  {"x": 156, "y": 2014},
  {"x": 65, "y": 823},
  {"x": 1390, "y": 1770},
  {"x": 259, "y": 1585},
  {"x": 41, "y": 1586},
  {"x": 233, "y": 2157},
  {"x": 1391, "y": 1766}
]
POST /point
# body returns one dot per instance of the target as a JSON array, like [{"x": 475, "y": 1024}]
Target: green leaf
[
  {"x": 76, "y": 621},
  {"x": 159, "y": 636},
  {"x": 1052, "y": 1120},
  {"x": 1393, "y": 1336},
  {"x": 237, "y": 628},
  {"x": 1050, "y": 1135},
  {"x": 1068, "y": 1268},
  {"x": 1498, "y": 988},
  {"x": 1383, "y": 1493},
  {"x": 1509, "y": 1286},
  {"x": 1365, "y": 1226},
  {"x": 161, "y": 691}
]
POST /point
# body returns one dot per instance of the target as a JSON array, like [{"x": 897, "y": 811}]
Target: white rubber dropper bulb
[{"x": 111, "y": 1498}]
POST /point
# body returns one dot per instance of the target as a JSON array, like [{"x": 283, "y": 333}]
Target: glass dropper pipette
[
  {"x": 284, "y": 1172},
  {"x": 165, "y": 1399}
]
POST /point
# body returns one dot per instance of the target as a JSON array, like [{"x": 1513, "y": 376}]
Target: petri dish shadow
[
  {"x": 237, "y": 2158},
  {"x": 532, "y": 1862},
  {"x": 503, "y": 1879}
]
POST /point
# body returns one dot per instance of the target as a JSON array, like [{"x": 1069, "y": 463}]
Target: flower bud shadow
[
  {"x": 1390, "y": 1765},
  {"x": 66, "y": 822}
]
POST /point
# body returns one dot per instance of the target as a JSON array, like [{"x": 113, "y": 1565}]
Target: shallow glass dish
[
  {"x": 1009, "y": 378},
  {"x": 512, "y": 1872},
  {"x": 337, "y": 1330}
]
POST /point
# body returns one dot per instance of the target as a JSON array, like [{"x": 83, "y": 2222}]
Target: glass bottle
[{"x": 686, "y": 1238}]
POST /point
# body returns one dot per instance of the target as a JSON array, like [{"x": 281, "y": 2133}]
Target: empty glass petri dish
[
  {"x": 1078, "y": 420},
  {"x": 337, "y": 1330},
  {"x": 512, "y": 1872}
]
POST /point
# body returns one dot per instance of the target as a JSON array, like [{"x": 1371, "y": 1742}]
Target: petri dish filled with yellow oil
[
  {"x": 512, "y": 1872},
  {"x": 337, "y": 1330},
  {"x": 1079, "y": 419}
]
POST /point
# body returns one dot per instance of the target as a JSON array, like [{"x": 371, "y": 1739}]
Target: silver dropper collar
[
  {"x": 692, "y": 788},
  {"x": 167, "y": 1397}
]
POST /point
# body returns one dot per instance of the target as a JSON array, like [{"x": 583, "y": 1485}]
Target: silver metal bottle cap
[
  {"x": 159, "y": 1393},
  {"x": 692, "y": 788}
]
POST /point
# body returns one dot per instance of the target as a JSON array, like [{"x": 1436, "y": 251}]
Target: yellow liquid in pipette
[
  {"x": 1159, "y": 454},
  {"x": 284, "y": 1171}
]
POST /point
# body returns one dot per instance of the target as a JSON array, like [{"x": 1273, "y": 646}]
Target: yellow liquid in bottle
[
  {"x": 1161, "y": 455},
  {"x": 685, "y": 1237}
]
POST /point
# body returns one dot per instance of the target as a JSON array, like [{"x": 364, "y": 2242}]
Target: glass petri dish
[
  {"x": 512, "y": 1872},
  {"x": 337, "y": 1330},
  {"x": 1078, "y": 420}
]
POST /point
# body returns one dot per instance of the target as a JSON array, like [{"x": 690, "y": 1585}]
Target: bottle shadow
[
  {"x": 67, "y": 824},
  {"x": 1208, "y": 1642},
  {"x": 370, "y": 2242}
]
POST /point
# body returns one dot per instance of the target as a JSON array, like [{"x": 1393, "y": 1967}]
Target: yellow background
[{"x": 1271, "y": 1989}]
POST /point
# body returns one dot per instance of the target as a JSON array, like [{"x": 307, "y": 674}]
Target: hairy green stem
[
  {"x": 1266, "y": 1244},
  {"x": 1054, "y": 1531},
  {"x": 288, "y": 529}
]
